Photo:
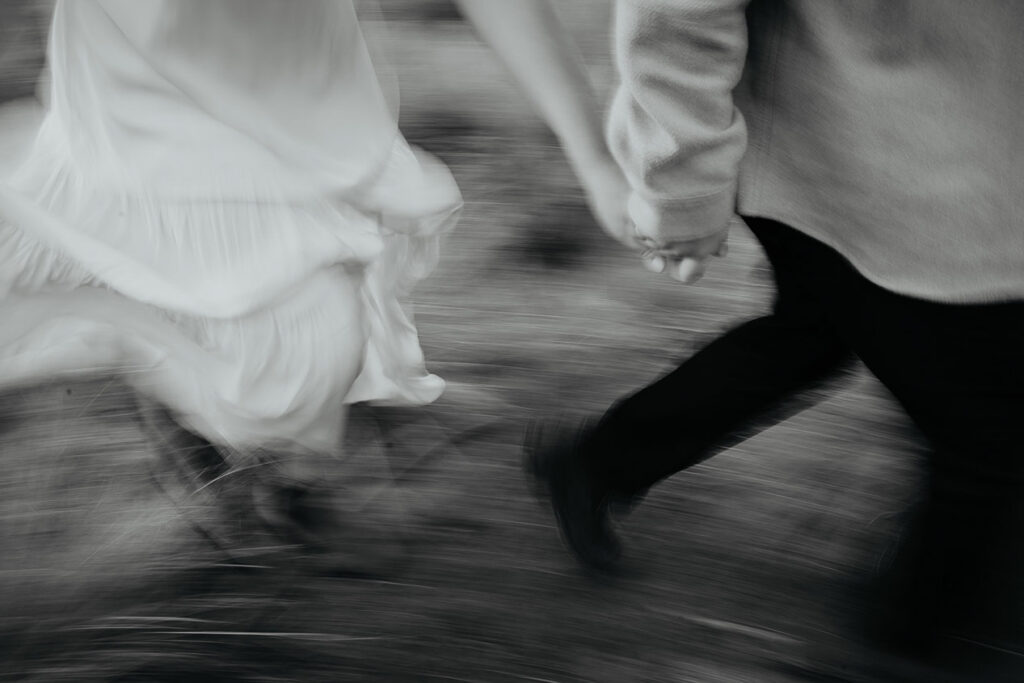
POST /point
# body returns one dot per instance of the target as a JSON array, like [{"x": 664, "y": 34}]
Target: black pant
[{"x": 958, "y": 370}]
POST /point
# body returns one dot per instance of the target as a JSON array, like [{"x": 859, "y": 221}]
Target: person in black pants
[
  {"x": 873, "y": 149},
  {"x": 958, "y": 370}
]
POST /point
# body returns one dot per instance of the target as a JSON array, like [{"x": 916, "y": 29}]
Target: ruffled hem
[{"x": 214, "y": 260}]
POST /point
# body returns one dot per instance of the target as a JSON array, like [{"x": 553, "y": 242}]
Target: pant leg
[
  {"x": 740, "y": 381},
  {"x": 958, "y": 370}
]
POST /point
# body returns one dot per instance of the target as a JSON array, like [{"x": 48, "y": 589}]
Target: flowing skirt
[{"x": 255, "y": 321}]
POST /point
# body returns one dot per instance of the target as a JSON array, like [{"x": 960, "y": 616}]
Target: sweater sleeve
[{"x": 673, "y": 127}]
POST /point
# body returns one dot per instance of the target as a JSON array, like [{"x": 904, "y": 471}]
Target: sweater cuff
[{"x": 682, "y": 220}]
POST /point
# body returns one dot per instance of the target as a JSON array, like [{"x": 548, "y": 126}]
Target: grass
[{"x": 744, "y": 569}]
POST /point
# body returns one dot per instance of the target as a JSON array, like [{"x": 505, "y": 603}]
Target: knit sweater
[{"x": 890, "y": 130}]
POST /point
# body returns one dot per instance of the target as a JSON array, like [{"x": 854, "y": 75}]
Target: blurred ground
[{"x": 744, "y": 569}]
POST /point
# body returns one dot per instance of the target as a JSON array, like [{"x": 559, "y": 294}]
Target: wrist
[
  {"x": 584, "y": 143},
  {"x": 593, "y": 163}
]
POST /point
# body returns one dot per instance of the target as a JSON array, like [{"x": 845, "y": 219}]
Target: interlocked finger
[
  {"x": 688, "y": 269},
  {"x": 653, "y": 261}
]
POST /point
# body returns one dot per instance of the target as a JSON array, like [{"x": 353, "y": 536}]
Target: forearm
[{"x": 529, "y": 39}]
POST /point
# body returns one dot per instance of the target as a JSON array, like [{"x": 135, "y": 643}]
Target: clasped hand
[{"x": 631, "y": 222}]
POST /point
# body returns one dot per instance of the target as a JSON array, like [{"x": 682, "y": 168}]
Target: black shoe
[
  {"x": 580, "y": 502},
  {"x": 333, "y": 532}
]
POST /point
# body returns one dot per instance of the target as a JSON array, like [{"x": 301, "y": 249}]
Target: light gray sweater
[{"x": 890, "y": 130}]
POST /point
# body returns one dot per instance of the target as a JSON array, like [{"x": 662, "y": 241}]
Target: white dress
[{"x": 219, "y": 206}]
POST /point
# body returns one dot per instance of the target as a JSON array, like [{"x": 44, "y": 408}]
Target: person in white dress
[{"x": 220, "y": 208}]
